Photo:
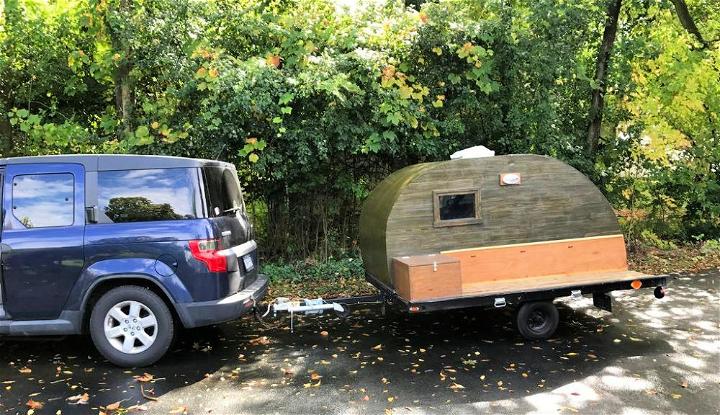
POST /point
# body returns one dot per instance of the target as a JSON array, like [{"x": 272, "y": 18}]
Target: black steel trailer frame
[
  {"x": 600, "y": 293},
  {"x": 535, "y": 305}
]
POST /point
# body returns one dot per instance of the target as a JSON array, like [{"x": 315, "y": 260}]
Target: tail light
[{"x": 207, "y": 251}]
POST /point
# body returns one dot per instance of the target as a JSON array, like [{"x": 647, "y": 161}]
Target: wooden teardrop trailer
[{"x": 515, "y": 230}]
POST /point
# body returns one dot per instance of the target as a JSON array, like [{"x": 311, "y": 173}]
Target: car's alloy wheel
[{"x": 131, "y": 327}]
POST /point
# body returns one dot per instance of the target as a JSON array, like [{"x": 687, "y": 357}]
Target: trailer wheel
[{"x": 537, "y": 320}]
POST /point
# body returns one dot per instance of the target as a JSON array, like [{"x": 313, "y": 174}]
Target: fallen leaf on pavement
[
  {"x": 378, "y": 347},
  {"x": 79, "y": 399},
  {"x": 34, "y": 404},
  {"x": 146, "y": 377},
  {"x": 179, "y": 410},
  {"x": 25, "y": 370},
  {"x": 113, "y": 406},
  {"x": 259, "y": 341}
]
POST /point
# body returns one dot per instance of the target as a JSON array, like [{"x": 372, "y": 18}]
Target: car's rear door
[{"x": 42, "y": 237}]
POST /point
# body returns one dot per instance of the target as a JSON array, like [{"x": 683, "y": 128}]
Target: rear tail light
[{"x": 207, "y": 251}]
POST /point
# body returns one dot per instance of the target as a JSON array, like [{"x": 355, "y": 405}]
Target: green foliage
[
  {"x": 315, "y": 104},
  {"x": 306, "y": 271}
]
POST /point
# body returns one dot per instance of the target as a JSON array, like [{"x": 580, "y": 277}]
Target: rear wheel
[
  {"x": 131, "y": 326},
  {"x": 537, "y": 320}
]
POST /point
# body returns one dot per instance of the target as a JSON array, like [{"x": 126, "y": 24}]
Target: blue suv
[{"x": 126, "y": 248}]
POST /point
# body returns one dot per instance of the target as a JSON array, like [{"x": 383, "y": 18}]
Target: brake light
[{"x": 207, "y": 251}]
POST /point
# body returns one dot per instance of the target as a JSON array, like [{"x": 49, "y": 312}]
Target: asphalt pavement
[{"x": 648, "y": 356}]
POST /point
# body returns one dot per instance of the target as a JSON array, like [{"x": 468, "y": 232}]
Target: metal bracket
[
  {"x": 602, "y": 301},
  {"x": 500, "y": 302}
]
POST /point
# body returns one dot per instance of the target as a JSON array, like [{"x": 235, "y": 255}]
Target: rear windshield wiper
[{"x": 232, "y": 210}]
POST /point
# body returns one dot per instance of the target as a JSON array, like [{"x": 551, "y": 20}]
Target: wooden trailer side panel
[
  {"x": 570, "y": 256},
  {"x": 374, "y": 218}
]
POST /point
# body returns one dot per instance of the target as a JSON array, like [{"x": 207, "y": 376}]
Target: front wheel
[
  {"x": 131, "y": 326},
  {"x": 537, "y": 320}
]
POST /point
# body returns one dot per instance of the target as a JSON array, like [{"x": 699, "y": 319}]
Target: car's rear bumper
[{"x": 206, "y": 313}]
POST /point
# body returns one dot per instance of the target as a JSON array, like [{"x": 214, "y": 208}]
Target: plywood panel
[
  {"x": 427, "y": 277},
  {"x": 546, "y": 282},
  {"x": 572, "y": 256}
]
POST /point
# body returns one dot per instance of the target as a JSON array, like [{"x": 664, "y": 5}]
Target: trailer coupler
[{"x": 315, "y": 306}]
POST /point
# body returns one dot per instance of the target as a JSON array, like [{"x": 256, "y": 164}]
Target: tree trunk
[
  {"x": 687, "y": 21},
  {"x": 601, "y": 67},
  {"x": 124, "y": 94}
]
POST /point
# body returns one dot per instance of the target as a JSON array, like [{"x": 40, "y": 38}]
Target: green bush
[
  {"x": 302, "y": 271},
  {"x": 315, "y": 105}
]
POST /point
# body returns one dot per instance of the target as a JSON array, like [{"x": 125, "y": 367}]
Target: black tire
[
  {"x": 165, "y": 326},
  {"x": 537, "y": 320}
]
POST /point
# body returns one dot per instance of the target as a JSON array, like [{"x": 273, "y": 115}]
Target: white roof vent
[{"x": 473, "y": 153}]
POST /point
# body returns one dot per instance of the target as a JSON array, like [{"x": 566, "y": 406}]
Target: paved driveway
[{"x": 650, "y": 356}]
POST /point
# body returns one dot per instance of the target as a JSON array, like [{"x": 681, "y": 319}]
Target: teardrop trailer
[{"x": 506, "y": 231}]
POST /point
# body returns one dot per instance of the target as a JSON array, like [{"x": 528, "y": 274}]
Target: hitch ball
[{"x": 659, "y": 292}]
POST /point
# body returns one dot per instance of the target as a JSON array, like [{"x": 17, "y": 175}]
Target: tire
[
  {"x": 537, "y": 320},
  {"x": 146, "y": 318}
]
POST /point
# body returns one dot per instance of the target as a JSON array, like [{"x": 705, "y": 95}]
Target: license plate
[{"x": 248, "y": 261}]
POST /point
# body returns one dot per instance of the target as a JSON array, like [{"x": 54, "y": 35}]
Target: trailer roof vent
[{"x": 473, "y": 153}]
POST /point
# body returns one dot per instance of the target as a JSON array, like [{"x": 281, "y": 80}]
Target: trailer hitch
[{"x": 313, "y": 306}]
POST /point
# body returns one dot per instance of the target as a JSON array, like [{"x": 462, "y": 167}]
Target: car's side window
[
  {"x": 44, "y": 200},
  {"x": 147, "y": 195}
]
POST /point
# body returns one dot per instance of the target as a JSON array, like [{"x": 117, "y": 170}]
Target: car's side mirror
[{"x": 91, "y": 214}]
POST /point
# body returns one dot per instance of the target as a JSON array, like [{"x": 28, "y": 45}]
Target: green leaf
[
  {"x": 142, "y": 131},
  {"x": 285, "y": 98}
]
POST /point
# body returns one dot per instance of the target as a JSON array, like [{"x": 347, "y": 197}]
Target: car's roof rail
[{"x": 103, "y": 162}]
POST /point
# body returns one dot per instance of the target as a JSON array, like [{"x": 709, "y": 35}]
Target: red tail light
[{"x": 207, "y": 251}]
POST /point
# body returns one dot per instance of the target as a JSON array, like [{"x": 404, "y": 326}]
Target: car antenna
[{"x": 220, "y": 151}]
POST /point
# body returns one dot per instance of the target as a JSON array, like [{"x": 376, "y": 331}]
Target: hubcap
[
  {"x": 130, "y": 327},
  {"x": 537, "y": 321}
]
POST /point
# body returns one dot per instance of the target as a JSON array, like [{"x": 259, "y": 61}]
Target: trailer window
[{"x": 457, "y": 207}]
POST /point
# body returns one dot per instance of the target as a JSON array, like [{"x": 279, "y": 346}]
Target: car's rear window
[
  {"x": 148, "y": 195},
  {"x": 222, "y": 191}
]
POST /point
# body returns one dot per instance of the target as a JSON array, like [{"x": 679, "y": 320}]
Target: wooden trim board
[
  {"x": 546, "y": 282},
  {"x": 525, "y": 261}
]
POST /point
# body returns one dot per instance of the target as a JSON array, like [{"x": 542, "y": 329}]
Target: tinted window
[
  {"x": 147, "y": 195},
  {"x": 457, "y": 206},
  {"x": 222, "y": 189},
  {"x": 44, "y": 200}
]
